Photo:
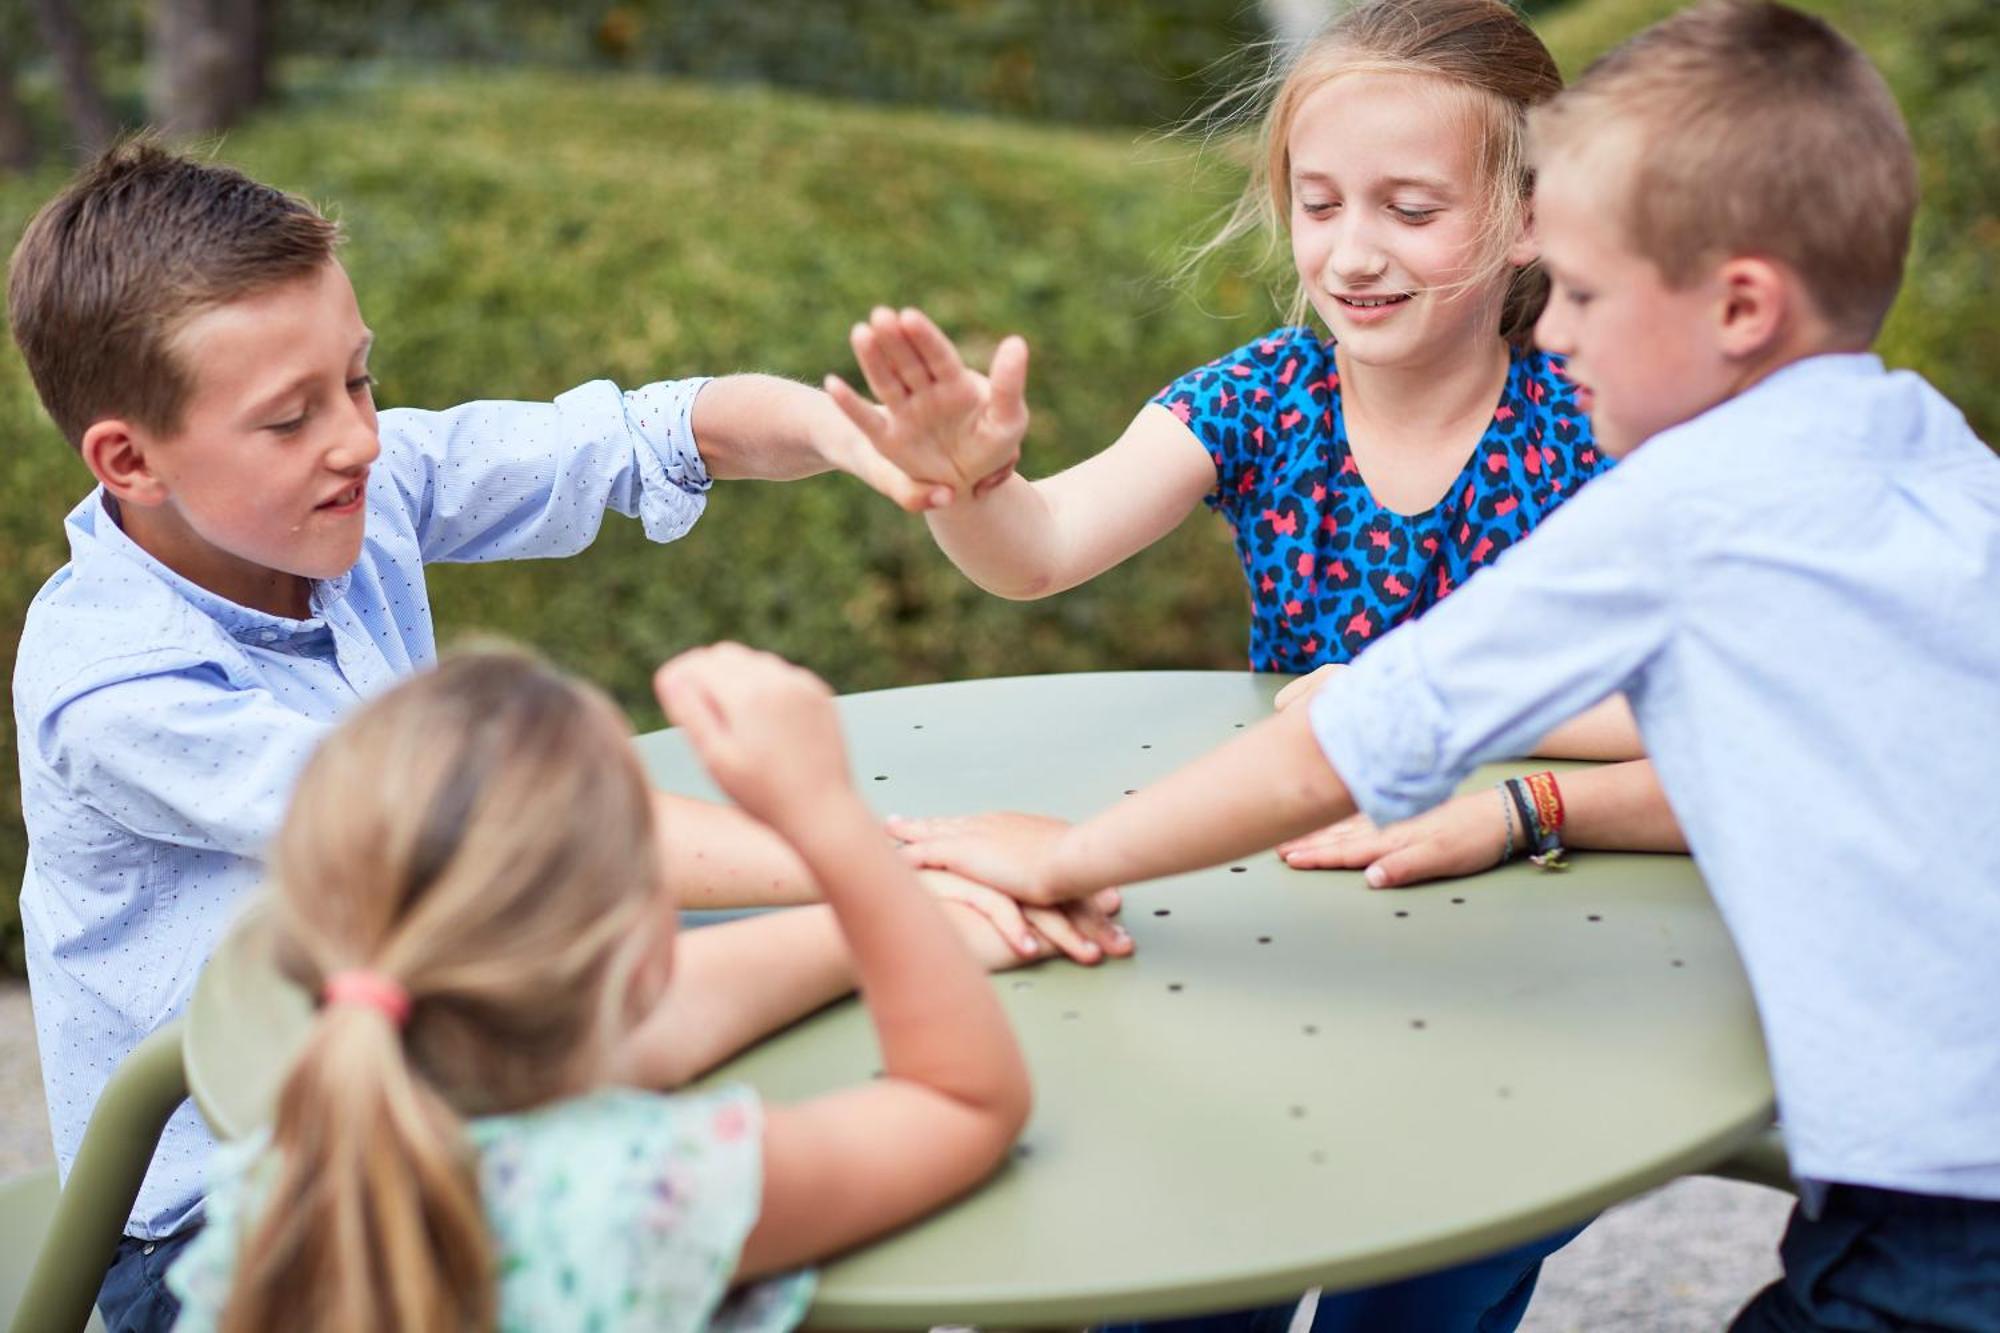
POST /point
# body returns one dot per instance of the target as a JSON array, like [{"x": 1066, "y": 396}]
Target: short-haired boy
[
  {"x": 1795, "y": 579},
  {"x": 251, "y": 564}
]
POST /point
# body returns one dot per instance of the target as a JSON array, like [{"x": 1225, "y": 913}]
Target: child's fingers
[
  {"x": 1098, "y": 928},
  {"x": 1010, "y": 381},
  {"x": 1000, "y": 911},
  {"x": 876, "y": 367},
  {"x": 940, "y": 358},
  {"x": 1057, "y": 928},
  {"x": 876, "y": 472},
  {"x": 975, "y": 858},
  {"x": 694, "y": 709},
  {"x": 869, "y": 419},
  {"x": 895, "y": 345},
  {"x": 1109, "y": 901},
  {"x": 906, "y": 829},
  {"x": 1356, "y": 825},
  {"x": 1415, "y": 864}
]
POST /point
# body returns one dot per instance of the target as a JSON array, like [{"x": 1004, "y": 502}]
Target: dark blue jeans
[
  {"x": 1876, "y": 1260},
  {"x": 1485, "y": 1296},
  {"x": 134, "y": 1297}
]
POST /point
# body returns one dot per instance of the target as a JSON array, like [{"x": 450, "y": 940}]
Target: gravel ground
[{"x": 1678, "y": 1260}]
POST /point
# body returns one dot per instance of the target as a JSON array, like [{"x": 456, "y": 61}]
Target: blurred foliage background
[{"x": 538, "y": 194}]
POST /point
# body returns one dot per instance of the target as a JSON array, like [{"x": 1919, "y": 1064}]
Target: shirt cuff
[
  {"x": 1382, "y": 729},
  {"x": 663, "y": 413}
]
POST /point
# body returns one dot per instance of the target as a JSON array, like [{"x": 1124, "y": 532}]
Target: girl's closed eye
[
  {"x": 1317, "y": 208},
  {"x": 1415, "y": 215},
  {"x": 364, "y": 384}
]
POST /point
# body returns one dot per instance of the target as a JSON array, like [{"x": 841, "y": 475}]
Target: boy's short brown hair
[
  {"x": 1754, "y": 129},
  {"x": 142, "y": 240}
]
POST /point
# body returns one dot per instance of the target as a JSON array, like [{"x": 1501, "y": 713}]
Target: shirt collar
[{"x": 95, "y": 531}]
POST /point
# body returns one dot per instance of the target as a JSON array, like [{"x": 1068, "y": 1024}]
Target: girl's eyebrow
[{"x": 1432, "y": 183}]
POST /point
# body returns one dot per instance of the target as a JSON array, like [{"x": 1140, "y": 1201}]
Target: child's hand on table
[
  {"x": 1081, "y": 930},
  {"x": 1009, "y": 851},
  {"x": 937, "y": 419},
  {"x": 1464, "y": 836}
]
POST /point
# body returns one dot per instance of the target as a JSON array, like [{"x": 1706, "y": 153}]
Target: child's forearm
[
  {"x": 1270, "y": 784},
  {"x": 1033, "y": 539},
  {"x": 764, "y": 428},
  {"x": 1007, "y": 541},
  {"x": 733, "y": 985},
  {"x": 1605, "y": 731},
  {"x": 935, "y": 1014},
  {"x": 715, "y": 856},
  {"x": 1619, "y": 808}
]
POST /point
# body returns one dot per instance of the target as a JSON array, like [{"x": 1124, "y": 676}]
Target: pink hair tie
[{"x": 371, "y": 989}]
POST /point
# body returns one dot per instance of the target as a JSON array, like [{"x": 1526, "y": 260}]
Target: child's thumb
[{"x": 1009, "y": 377}]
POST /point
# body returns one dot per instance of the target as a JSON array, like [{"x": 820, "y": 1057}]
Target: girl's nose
[{"x": 1356, "y": 256}]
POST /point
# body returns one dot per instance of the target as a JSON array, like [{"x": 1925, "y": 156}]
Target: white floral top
[{"x": 621, "y": 1210}]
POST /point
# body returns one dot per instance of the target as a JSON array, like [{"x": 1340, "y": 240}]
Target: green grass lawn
[{"x": 514, "y": 233}]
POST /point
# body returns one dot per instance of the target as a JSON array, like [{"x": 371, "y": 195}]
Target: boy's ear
[
  {"x": 1756, "y": 305},
  {"x": 115, "y": 451}
]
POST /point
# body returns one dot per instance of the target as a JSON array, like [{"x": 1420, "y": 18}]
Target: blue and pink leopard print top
[{"x": 1330, "y": 570}]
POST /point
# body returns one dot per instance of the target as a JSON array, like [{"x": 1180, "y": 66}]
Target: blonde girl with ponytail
[{"x": 469, "y": 878}]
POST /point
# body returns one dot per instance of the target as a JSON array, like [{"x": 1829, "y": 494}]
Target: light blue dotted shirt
[
  {"x": 161, "y": 726},
  {"x": 1799, "y": 591}
]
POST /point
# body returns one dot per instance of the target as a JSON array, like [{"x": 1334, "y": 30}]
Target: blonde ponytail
[
  {"x": 374, "y": 1219},
  {"x": 482, "y": 838}
]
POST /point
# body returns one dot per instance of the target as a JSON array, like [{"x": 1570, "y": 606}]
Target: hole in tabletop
[
  {"x": 1162, "y": 911},
  {"x": 1071, "y": 1015},
  {"x": 1237, "y": 870},
  {"x": 1458, "y": 900},
  {"x": 1593, "y": 917},
  {"x": 1173, "y": 985},
  {"x": 1401, "y": 913},
  {"x": 1263, "y": 939},
  {"x": 1311, "y": 1030},
  {"x": 1417, "y": 1023},
  {"x": 881, "y": 777},
  {"x": 1298, "y": 1113}
]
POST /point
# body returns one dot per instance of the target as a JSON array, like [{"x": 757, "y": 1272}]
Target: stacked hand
[
  {"x": 936, "y": 418},
  {"x": 1008, "y": 852}
]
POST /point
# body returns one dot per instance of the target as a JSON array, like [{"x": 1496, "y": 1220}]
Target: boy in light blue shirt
[
  {"x": 251, "y": 564},
  {"x": 1795, "y": 579}
]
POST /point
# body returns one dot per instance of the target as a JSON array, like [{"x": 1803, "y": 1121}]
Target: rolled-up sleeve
[
  {"x": 512, "y": 480},
  {"x": 1564, "y": 619}
]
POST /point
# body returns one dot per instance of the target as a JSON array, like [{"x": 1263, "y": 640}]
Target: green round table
[{"x": 1295, "y": 1082}]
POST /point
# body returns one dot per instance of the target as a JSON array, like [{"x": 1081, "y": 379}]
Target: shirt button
[
  {"x": 149, "y": 1248},
  {"x": 267, "y": 635}
]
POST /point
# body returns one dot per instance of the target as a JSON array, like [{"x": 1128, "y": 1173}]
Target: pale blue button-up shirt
[
  {"x": 1800, "y": 592},
  {"x": 161, "y": 727}
]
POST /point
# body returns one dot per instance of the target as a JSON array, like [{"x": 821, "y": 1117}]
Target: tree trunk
[
  {"x": 63, "y": 32},
  {"x": 209, "y": 62},
  {"x": 17, "y": 143}
]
